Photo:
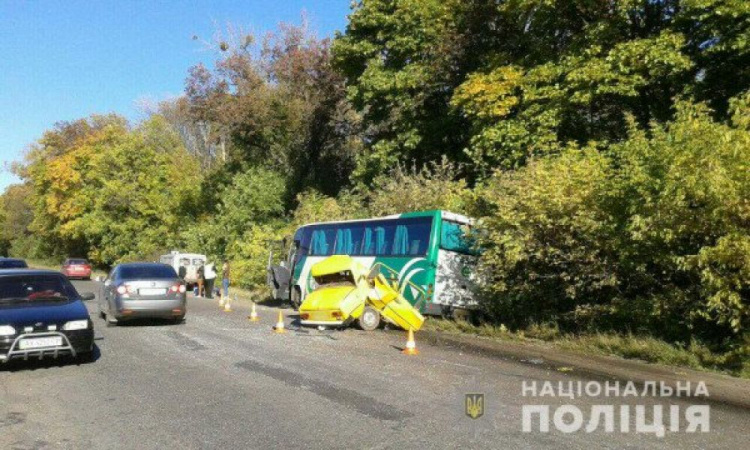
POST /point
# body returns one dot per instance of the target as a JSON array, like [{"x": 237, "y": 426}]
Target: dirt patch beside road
[{"x": 722, "y": 389}]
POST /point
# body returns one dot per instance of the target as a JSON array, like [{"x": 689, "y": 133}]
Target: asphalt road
[{"x": 218, "y": 381}]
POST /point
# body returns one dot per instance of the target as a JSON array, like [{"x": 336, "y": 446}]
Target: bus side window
[
  {"x": 318, "y": 244},
  {"x": 344, "y": 242},
  {"x": 419, "y": 235},
  {"x": 367, "y": 242},
  {"x": 381, "y": 244},
  {"x": 400, "y": 241},
  {"x": 357, "y": 238},
  {"x": 323, "y": 242}
]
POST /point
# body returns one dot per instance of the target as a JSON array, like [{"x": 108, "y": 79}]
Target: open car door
[{"x": 278, "y": 275}]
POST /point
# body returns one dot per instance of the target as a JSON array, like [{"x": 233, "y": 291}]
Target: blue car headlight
[{"x": 76, "y": 325}]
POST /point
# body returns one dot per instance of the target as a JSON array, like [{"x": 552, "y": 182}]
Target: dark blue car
[{"x": 42, "y": 315}]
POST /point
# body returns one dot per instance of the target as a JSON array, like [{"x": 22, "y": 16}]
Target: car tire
[
  {"x": 178, "y": 320},
  {"x": 369, "y": 320}
]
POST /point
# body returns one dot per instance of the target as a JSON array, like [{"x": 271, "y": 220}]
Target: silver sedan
[{"x": 142, "y": 290}]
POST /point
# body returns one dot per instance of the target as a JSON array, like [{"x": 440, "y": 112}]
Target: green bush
[
  {"x": 649, "y": 235},
  {"x": 546, "y": 248},
  {"x": 248, "y": 255},
  {"x": 434, "y": 186}
]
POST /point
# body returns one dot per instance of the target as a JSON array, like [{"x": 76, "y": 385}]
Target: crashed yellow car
[{"x": 348, "y": 292}]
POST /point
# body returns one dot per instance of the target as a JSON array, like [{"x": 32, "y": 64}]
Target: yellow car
[{"x": 348, "y": 292}]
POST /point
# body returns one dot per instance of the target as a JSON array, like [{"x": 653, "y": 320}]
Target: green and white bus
[{"x": 424, "y": 251}]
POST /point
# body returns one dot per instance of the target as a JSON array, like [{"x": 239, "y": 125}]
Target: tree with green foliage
[
  {"x": 499, "y": 82},
  {"x": 602, "y": 147},
  {"x": 645, "y": 236},
  {"x": 109, "y": 193},
  {"x": 253, "y": 197},
  {"x": 280, "y": 105},
  {"x": 401, "y": 69},
  {"x": 15, "y": 217}
]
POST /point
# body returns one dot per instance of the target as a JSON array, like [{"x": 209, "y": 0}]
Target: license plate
[
  {"x": 152, "y": 291},
  {"x": 54, "y": 341}
]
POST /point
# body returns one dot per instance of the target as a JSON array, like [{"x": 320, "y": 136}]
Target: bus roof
[{"x": 430, "y": 213}]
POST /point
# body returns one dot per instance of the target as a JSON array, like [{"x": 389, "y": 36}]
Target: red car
[{"x": 77, "y": 268}]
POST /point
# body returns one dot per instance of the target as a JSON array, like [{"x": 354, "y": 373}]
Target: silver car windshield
[{"x": 156, "y": 271}]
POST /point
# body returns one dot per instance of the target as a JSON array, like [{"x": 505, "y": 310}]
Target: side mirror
[{"x": 88, "y": 296}]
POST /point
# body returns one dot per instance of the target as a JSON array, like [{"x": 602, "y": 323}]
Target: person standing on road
[
  {"x": 201, "y": 274},
  {"x": 182, "y": 271},
  {"x": 225, "y": 278},
  {"x": 210, "y": 275}
]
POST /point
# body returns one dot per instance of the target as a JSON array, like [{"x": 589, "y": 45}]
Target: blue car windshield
[
  {"x": 12, "y": 264},
  {"x": 31, "y": 288}
]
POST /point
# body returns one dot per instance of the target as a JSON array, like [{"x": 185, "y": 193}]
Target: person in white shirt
[{"x": 210, "y": 274}]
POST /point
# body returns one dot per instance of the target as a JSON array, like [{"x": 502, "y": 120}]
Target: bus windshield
[
  {"x": 456, "y": 237},
  {"x": 387, "y": 237}
]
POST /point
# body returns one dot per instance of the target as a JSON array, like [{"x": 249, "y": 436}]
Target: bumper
[
  {"x": 76, "y": 274},
  {"x": 74, "y": 343},
  {"x": 330, "y": 318},
  {"x": 331, "y": 323},
  {"x": 150, "y": 309}
]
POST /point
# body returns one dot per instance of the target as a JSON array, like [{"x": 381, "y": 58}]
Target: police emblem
[{"x": 475, "y": 405}]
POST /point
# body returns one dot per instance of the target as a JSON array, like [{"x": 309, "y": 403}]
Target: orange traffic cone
[
  {"x": 253, "y": 317},
  {"x": 279, "y": 327},
  {"x": 411, "y": 346}
]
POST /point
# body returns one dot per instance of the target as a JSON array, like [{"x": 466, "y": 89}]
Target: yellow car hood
[{"x": 338, "y": 263}]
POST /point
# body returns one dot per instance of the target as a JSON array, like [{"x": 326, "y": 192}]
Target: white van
[{"x": 191, "y": 261}]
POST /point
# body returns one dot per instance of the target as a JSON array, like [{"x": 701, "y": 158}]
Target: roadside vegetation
[
  {"x": 693, "y": 355},
  {"x": 604, "y": 148}
]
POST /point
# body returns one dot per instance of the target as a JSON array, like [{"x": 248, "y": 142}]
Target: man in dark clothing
[
  {"x": 182, "y": 272},
  {"x": 201, "y": 281}
]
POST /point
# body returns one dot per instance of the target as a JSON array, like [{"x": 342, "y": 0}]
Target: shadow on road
[
  {"x": 273, "y": 303},
  {"x": 136, "y": 323}
]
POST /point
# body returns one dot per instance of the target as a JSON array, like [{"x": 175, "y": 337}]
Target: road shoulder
[{"x": 723, "y": 389}]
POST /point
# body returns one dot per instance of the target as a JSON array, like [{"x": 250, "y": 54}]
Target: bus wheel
[
  {"x": 446, "y": 312},
  {"x": 369, "y": 320},
  {"x": 296, "y": 298}
]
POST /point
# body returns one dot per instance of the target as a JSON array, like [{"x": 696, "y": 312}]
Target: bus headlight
[
  {"x": 76, "y": 325},
  {"x": 7, "y": 330}
]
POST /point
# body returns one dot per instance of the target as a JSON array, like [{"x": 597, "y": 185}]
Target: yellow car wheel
[{"x": 370, "y": 319}]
